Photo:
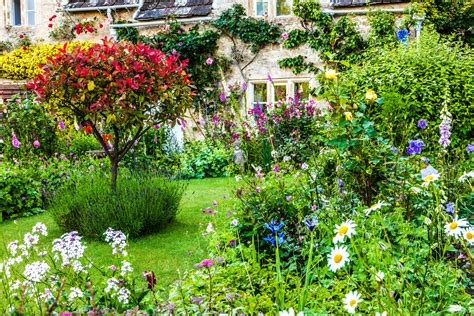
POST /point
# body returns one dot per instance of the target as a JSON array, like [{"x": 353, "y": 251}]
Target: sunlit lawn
[{"x": 177, "y": 247}]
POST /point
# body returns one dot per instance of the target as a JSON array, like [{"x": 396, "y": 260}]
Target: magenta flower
[
  {"x": 36, "y": 143},
  {"x": 209, "y": 61},
  {"x": 205, "y": 263},
  {"x": 222, "y": 97},
  {"x": 15, "y": 142},
  {"x": 244, "y": 86},
  {"x": 257, "y": 189},
  {"x": 288, "y": 197},
  {"x": 61, "y": 125},
  {"x": 269, "y": 78},
  {"x": 214, "y": 203},
  {"x": 285, "y": 36}
]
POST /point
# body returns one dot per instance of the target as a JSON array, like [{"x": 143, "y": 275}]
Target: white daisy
[
  {"x": 455, "y": 227},
  {"x": 379, "y": 276},
  {"x": 429, "y": 174},
  {"x": 455, "y": 308},
  {"x": 351, "y": 301},
  {"x": 337, "y": 258},
  {"x": 345, "y": 229},
  {"x": 374, "y": 207},
  {"x": 468, "y": 234}
]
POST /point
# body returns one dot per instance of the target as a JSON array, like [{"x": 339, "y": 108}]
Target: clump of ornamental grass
[{"x": 143, "y": 203}]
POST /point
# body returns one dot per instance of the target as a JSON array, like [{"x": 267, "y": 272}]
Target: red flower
[
  {"x": 21, "y": 35},
  {"x": 101, "y": 25},
  {"x": 89, "y": 28},
  {"x": 78, "y": 28},
  {"x": 107, "y": 137},
  {"x": 50, "y": 25},
  {"x": 52, "y": 18},
  {"x": 88, "y": 129}
]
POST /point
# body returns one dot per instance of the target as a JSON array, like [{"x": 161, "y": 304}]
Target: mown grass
[{"x": 175, "y": 248}]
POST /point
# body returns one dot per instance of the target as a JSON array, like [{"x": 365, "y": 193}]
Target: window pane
[
  {"x": 283, "y": 7},
  {"x": 260, "y": 92},
  {"x": 280, "y": 92},
  {"x": 261, "y": 7},
  {"x": 302, "y": 90},
  {"x": 31, "y": 17},
  {"x": 30, "y": 11},
  {"x": 16, "y": 12}
]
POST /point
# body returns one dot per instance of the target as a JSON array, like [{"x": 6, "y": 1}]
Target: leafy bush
[
  {"x": 24, "y": 62},
  {"x": 142, "y": 204},
  {"x": 28, "y": 131},
  {"x": 158, "y": 148},
  {"x": 81, "y": 142},
  {"x": 19, "y": 193},
  {"x": 416, "y": 79},
  {"x": 202, "y": 159}
]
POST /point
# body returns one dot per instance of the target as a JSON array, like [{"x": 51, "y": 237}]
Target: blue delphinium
[
  {"x": 273, "y": 226},
  {"x": 415, "y": 146},
  {"x": 470, "y": 149},
  {"x": 311, "y": 222},
  {"x": 422, "y": 124},
  {"x": 271, "y": 238},
  {"x": 450, "y": 207},
  {"x": 402, "y": 36}
]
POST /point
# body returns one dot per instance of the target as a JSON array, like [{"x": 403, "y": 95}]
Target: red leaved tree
[{"x": 125, "y": 88}]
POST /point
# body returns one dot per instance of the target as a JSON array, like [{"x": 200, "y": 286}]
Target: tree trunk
[{"x": 114, "y": 169}]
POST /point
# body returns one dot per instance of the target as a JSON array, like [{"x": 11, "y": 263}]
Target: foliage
[
  {"x": 128, "y": 88},
  {"x": 202, "y": 159},
  {"x": 382, "y": 27},
  {"x": 19, "y": 193},
  {"x": 158, "y": 148},
  {"x": 255, "y": 32},
  {"x": 450, "y": 17},
  {"x": 143, "y": 203},
  {"x": 416, "y": 79},
  {"x": 24, "y": 62},
  {"x": 27, "y": 189},
  {"x": 337, "y": 40},
  {"x": 297, "y": 64},
  {"x": 35, "y": 130}
]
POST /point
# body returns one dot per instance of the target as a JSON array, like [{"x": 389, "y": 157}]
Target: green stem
[
  {"x": 307, "y": 276},
  {"x": 280, "y": 292}
]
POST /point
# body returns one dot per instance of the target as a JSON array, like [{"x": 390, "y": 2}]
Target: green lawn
[{"x": 178, "y": 246}]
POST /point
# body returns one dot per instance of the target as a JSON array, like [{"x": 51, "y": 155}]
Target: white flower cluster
[
  {"x": 117, "y": 240},
  {"x": 126, "y": 268},
  {"x": 75, "y": 293},
  {"x": 68, "y": 247},
  {"x": 40, "y": 228},
  {"x": 123, "y": 295},
  {"x": 36, "y": 271}
]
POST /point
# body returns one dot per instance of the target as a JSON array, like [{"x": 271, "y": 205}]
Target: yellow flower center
[
  {"x": 337, "y": 258},
  {"x": 453, "y": 225},
  {"x": 352, "y": 303},
  {"x": 343, "y": 230},
  {"x": 469, "y": 235},
  {"x": 429, "y": 178}
]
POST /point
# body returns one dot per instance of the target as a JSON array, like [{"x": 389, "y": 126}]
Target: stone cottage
[{"x": 31, "y": 17}]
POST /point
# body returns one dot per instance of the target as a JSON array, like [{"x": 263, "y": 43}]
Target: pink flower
[
  {"x": 15, "y": 142},
  {"x": 209, "y": 61},
  {"x": 257, "y": 189},
  {"x": 235, "y": 222},
  {"x": 61, "y": 125},
  {"x": 36, "y": 143},
  {"x": 205, "y": 263},
  {"x": 288, "y": 197},
  {"x": 214, "y": 203},
  {"x": 285, "y": 36},
  {"x": 167, "y": 27}
]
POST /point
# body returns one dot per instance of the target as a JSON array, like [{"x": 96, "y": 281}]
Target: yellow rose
[
  {"x": 348, "y": 116},
  {"x": 371, "y": 96},
  {"x": 330, "y": 74}
]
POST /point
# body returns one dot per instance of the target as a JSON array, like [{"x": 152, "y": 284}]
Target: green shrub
[
  {"x": 204, "y": 159},
  {"x": 417, "y": 78},
  {"x": 35, "y": 130},
  {"x": 82, "y": 142},
  {"x": 142, "y": 204}
]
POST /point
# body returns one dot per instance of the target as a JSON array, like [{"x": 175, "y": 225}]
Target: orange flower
[
  {"x": 88, "y": 129},
  {"x": 107, "y": 137}
]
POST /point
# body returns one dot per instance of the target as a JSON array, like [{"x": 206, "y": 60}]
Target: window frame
[
  {"x": 16, "y": 12},
  {"x": 28, "y": 10},
  {"x": 275, "y": 14},
  {"x": 255, "y": 9}
]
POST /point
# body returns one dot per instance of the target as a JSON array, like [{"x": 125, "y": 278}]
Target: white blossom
[{"x": 36, "y": 271}]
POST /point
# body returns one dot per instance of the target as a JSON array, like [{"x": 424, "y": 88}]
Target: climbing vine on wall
[{"x": 199, "y": 45}]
